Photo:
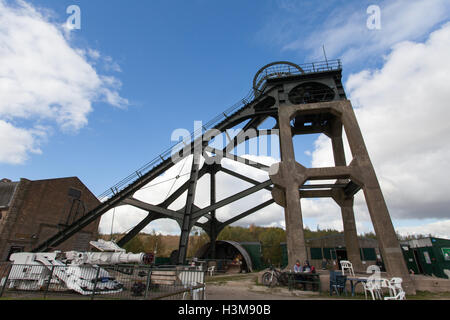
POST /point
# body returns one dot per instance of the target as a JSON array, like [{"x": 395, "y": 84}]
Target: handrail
[
  {"x": 168, "y": 152},
  {"x": 285, "y": 69}
]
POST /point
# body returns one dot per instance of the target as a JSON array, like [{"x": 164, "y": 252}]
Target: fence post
[
  {"x": 191, "y": 291},
  {"x": 148, "y": 283},
  {"x": 6, "y": 280},
  {"x": 95, "y": 283},
  {"x": 48, "y": 282}
]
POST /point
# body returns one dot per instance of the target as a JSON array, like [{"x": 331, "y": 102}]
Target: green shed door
[
  {"x": 408, "y": 254},
  {"x": 437, "y": 262},
  {"x": 369, "y": 254},
  {"x": 426, "y": 258},
  {"x": 254, "y": 251}
]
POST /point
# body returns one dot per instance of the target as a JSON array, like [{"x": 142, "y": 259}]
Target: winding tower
[{"x": 302, "y": 99}]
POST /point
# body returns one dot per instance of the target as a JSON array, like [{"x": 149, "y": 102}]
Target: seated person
[
  {"x": 297, "y": 267},
  {"x": 306, "y": 266},
  {"x": 324, "y": 264}
]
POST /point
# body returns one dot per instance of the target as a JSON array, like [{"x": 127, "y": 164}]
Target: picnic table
[
  {"x": 303, "y": 279},
  {"x": 354, "y": 282}
]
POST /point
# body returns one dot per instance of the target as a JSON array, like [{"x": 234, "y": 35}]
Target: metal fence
[{"x": 89, "y": 282}]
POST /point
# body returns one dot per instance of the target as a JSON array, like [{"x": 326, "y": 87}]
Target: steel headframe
[{"x": 261, "y": 103}]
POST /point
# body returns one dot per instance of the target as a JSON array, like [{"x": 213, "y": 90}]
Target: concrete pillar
[
  {"x": 384, "y": 229},
  {"x": 213, "y": 230},
  {"x": 350, "y": 233},
  {"x": 295, "y": 237},
  {"x": 346, "y": 205}
]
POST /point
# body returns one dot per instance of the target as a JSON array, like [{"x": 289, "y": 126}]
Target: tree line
[{"x": 270, "y": 239}]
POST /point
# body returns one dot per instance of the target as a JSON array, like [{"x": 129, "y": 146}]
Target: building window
[
  {"x": 369, "y": 254},
  {"x": 74, "y": 193},
  {"x": 316, "y": 253}
]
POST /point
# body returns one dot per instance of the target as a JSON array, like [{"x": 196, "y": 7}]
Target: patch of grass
[{"x": 425, "y": 295}]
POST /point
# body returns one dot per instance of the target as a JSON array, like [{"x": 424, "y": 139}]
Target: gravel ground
[{"x": 245, "y": 288}]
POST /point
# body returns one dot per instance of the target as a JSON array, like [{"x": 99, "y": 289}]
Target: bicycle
[{"x": 273, "y": 277}]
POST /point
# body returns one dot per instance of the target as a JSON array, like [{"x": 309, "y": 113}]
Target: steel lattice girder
[
  {"x": 249, "y": 112},
  {"x": 245, "y": 113}
]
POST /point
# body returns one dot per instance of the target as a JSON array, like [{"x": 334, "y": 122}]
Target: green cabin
[
  {"x": 255, "y": 252},
  {"x": 429, "y": 256}
]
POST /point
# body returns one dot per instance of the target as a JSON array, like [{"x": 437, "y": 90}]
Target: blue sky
[
  {"x": 173, "y": 62},
  {"x": 180, "y": 61}
]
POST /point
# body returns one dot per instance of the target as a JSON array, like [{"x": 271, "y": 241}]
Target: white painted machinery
[{"x": 77, "y": 271}]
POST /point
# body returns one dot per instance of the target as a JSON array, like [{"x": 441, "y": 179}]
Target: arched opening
[
  {"x": 311, "y": 92},
  {"x": 231, "y": 257}
]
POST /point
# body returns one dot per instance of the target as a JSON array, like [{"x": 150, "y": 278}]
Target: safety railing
[
  {"x": 175, "y": 148},
  {"x": 89, "y": 282},
  {"x": 285, "y": 70}
]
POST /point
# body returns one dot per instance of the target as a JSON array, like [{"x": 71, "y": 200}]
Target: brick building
[{"x": 33, "y": 211}]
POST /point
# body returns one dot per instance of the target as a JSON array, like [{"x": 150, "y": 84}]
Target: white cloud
[
  {"x": 44, "y": 79},
  {"x": 94, "y": 54},
  {"x": 440, "y": 229},
  {"x": 402, "y": 110},
  {"x": 19, "y": 143},
  {"x": 345, "y": 33}
]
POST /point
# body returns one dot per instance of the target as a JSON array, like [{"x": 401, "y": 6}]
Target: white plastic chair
[
  {"x": 211, "y": 270},
  {"x": 374, "y": 287},
  {"x": 395, "y": 289},
  {"x": 347, "y": 265},
  {"x": 400, "y": 296}
]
